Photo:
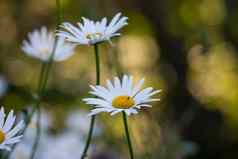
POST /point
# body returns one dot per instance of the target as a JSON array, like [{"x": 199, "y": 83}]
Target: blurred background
[{"x": 187, "y": 48}]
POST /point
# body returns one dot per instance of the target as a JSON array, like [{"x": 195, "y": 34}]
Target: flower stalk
[
  {"x": 92, "y": 122},
  {"x": 44, "y": 77},
  {"x": 127, "y": 135},
  {"x": 43, "y": 80}
]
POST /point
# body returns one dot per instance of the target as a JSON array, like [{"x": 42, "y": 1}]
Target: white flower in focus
[
  {"x": 41, "y": 45},
  {"x": 120, "y": 96},
  {"x": 90, "y": 32},
  {"x": 3, "y": 86},
  {"x": 8, "y": 133}
]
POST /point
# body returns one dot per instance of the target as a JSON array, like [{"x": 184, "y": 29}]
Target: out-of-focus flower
[
  {"x": 23, "y": 149},
  {"x": 78, "y": 122},
  {"x": 90, "y": 32},
  {"x": 8, "y": 133},
  {"x": 45, "y": 122},
  {"x": 3, "y": 86},
  {"x": 41, "y": 45},
  {"x": 65, "y": 146},
  {"x": 122, "y": 96}
]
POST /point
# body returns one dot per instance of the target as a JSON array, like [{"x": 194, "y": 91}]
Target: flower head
[
  {"x": 121, "y": 96},
  {"x": 90, "y": 32},
  {"x": 8, "y": 133},
  {"x": 41, "y": 45}
]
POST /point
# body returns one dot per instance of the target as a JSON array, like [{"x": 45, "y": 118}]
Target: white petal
[
  {"x": 13, "y": 140},
  {"x": 2, "y": 117},
  {"x": 116, "y": 111},
  {"x": 96, "y": 101},
  {"x": 4, "y": 147},
  {"x": 9, "y": 122},
  {"x": 98, "y": 110},
  {"x": 137, "y": 87},
  {"x": 15, "y": 130},
  {"x": 117, "y": 83}
]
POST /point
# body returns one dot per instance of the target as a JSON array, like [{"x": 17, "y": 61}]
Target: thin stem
[
  {"x": 59, "y": 13},
  {"x": 38, "y": 95},
  {"x": 38, "y": 133},
  {"x": 45, "y": 81},
  {"x": 92, "y": 122},
  {"x": 127, "y": 135},
  {"x": 97, "y": 64},
  {"x": 36, "y": 105},
  {"x": 39, "y": 92}
]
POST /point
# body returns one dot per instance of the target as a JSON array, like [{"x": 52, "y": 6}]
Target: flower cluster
[{"x": 119, "y": 94}]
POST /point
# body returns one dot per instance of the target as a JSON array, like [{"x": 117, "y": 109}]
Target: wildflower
[
  {"x": 8, "y": 133},
  {"x": 90, "y": 32},
  {"x": 120, "y": 96},
  {"x": 41, "y": 45}
]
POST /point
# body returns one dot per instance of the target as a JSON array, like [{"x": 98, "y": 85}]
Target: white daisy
[
  {"x": 8, "y": 133},
  {"x": 90, "y": 32},
  {"x": 41, "y": 45},
  {"x": 120, "y": 96}
]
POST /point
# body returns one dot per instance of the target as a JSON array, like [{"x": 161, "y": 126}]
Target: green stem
[
  {"x": 38, "y": 133},
  {"x": 39, "y": 93},
  {"x": 97, "y": 59},
  {"x": 45, "y": 81},
  {"x": 92, "y": 122},
  {"x": 37, "y": 106},
  {"x": 37, "y": 102},
  {"x": 59, "y": 13},
  {"x": 127, "y": 135}
]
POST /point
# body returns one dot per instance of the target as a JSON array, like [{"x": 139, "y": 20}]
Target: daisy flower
[
  {"x": 120, "y": 96},
  {"x": 8, "y": 133},
  {"x": 41, "y": 45},
  {"x": 91, "y": 32}
]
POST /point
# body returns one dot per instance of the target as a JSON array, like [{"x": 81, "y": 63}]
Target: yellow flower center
[
  {"x": 2, "y": 136},
  {"x": 123, "y": 102},
  {"x": 93, "y": 36}
]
